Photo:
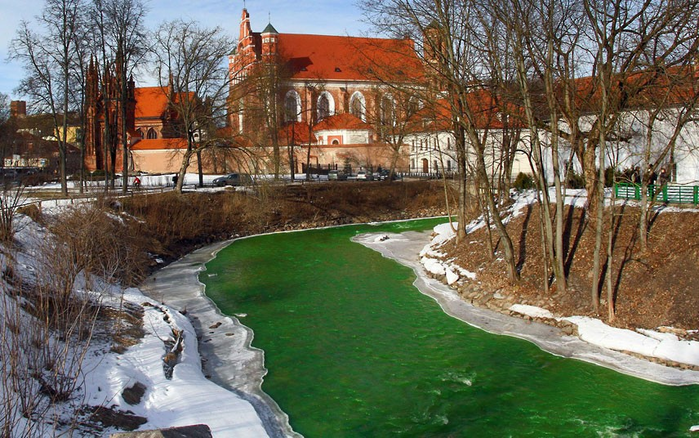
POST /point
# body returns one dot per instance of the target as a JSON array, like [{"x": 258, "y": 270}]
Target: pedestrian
[
  {"x": 137, "y": 182},
  {"x": 636, "y": 175},
  {"x": 651, "y": 175},
  {"x": 664, "y": 177},
  {"x": 175, "y": 177}
]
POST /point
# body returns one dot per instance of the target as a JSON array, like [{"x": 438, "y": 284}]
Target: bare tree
[
  {"x": 7, "y": 127},
  {"x": 189, "y": 65},
  {"x": 123, "y": 42},
  {"x": 451, "y": 35},
  {"x": 48, "y": 61}
]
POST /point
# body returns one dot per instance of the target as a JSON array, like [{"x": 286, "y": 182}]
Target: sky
[{"x": 328, "y": 17}]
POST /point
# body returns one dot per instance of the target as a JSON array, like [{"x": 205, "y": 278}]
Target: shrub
[
  {"x": 523, "y": 181},
  {"x": 575, "y": 180}
]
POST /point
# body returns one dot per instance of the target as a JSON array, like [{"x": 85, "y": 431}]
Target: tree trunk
[
  {"x": 124, "y": 133},
  {"x": 200, "y": 168},
  {"x": 507, "y": 246}
]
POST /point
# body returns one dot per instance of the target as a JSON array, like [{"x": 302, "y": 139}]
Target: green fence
[{"x": 669, "y": 193}]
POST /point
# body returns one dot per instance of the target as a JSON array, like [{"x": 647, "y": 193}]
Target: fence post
[{"x": 696, "y": 195}]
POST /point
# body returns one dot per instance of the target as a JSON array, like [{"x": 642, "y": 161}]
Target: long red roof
[
  {"x": 330, "y": 57},
  {"x": 160, "y": 144}
]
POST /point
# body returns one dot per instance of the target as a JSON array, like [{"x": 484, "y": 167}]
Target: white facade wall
[
  {"x": 626, "y": 149},
  {"x": 438, "y": 151}
]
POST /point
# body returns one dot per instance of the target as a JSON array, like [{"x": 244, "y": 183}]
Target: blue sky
[{"x": 330, "y": 17}]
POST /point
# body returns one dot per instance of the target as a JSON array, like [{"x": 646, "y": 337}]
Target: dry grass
[{"x": 176, "y": 223}]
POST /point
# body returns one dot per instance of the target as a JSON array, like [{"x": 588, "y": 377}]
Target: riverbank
[
  {"x": 406, "y": 248},
  {"x": 228, "y": 359}
]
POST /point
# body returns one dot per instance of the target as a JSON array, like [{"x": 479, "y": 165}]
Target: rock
[
  {"x": 195, "y": 431},
  {"x": 568, "y": 330},
  {"x": 133, "y": 394},
  {"x": 112, "y": 417}
]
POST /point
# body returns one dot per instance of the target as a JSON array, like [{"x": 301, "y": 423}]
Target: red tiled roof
[
  {"x": 329, "y": 57},
  {"x": 160, "y": 144},
  {"x": 150, "y": 101},
  {"x": 296, "y": 133},
  {"x": 341, "y": 121},
  {"x": 487, "y": 113}
]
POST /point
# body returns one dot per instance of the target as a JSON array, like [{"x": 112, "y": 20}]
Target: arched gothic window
[
  {"x": 139, "y": 132},
  {"x": 152, "y": 134},
  {"x": 358, "y": 106},
  {"x": 292, "y": 107},
  {"x": 326, "y": 105},
  {"x": 388, "y": 110}
]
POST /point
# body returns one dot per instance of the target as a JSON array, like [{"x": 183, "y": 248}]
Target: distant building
[
  {"x": 329, "y": 92},
  {"x": 18, "y": 108},
  {"x": 152, "y": 133}
]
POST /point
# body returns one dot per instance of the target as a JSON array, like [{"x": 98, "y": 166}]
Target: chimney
[{"x": 18, "y": 108}]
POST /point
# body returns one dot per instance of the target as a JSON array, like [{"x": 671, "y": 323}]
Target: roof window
[{"x": 337, "y": 70}]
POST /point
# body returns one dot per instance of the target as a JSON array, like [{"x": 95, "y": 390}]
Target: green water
[{"x": 354, "y": 350}]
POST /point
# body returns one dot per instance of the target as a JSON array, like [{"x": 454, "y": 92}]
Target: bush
[
  {"x": 96, "y": 242},
  {"x": 574, "y": 180},
  {"x": 611, "y": 175},
  {"x": 524, "y": 182}
]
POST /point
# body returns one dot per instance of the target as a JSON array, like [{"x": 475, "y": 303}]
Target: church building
[
  {"x": 153, "y": 140},
  {"x": 320, "y": 98}
]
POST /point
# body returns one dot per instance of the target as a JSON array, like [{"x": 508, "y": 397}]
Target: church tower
[
  {"x": 270, "y": 38},
  {"x": 245, "y": 51},
  {"x": 93, "y": 134}
]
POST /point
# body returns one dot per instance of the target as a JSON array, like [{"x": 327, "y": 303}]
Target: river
[{"x": 353, "y": 349}]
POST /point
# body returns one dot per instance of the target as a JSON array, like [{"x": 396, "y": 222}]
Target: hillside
[
  {"x": 655, "y": 288},
  {"x": 171, "y": 225},
  {"x": 658, "y": 287}
]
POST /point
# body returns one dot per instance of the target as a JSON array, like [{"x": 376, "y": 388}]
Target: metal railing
[{"x": 667, "y": 193}]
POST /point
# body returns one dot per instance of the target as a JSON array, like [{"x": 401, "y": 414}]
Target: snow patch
[{"x": 532, "y": 311}]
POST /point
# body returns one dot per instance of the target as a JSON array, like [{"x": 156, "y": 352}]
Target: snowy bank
[
  {"x": 595, "y": 344},
  {"x": 224, "y": 343},
  {"x": 169, "y": 396},
  {"x": 185, "y": 399}
]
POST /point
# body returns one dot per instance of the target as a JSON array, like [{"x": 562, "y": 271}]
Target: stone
[
  {"x": 195, "y": 431},
  {"x": 133, "y": 394}
]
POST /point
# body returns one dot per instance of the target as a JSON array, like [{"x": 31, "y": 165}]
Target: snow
[
  {"x": 191, "y": 398},
  {"x": 533, "y": 311},
  {"x": 187, "y": 398},
  {"x": 183, "y": 400},
  {"x": 649, "y": 343}
]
